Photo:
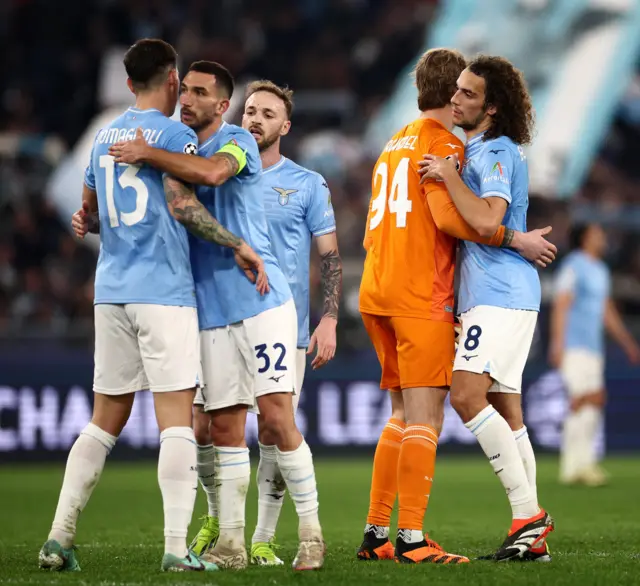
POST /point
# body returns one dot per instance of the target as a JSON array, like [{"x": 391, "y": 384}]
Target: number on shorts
[
  {"x": 261, "y": 353},
  {"x": 473, "y": 338}
]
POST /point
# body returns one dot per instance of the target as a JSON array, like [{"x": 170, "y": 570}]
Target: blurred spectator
[{"x": 341, "y": 57}]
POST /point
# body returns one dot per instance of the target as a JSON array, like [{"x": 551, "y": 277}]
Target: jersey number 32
[{"x": 399, "y": 202}]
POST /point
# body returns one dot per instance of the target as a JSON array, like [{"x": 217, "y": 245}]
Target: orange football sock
[
  {"x": 415, "y": 474},
  {"x": 384, "y": 480}
]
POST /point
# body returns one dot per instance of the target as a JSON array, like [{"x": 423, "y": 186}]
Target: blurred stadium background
[{"x": 348, "y": 62}]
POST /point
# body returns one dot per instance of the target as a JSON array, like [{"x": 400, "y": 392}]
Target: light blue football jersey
[
  {"x": 225, "y": 295},
  {"x": 298, "y": 206},
  {"x": 491, "y": 275},
  {"x": 144, "y": 251},
  {"x": 589, "y": 281}
]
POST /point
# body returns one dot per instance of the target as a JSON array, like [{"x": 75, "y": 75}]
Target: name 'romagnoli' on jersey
[{"x": 112, "y": 135}]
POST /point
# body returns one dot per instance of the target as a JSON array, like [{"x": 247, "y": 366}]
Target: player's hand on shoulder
[
  {"x": 434, "y": 167},
  {"x": 535, "y": 247},
  {"x": 130, "y": 151},
  {"x": 324, "y": 337},
  {"x": 253, "y": 267}
]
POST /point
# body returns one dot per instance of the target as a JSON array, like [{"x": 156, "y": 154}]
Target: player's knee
[
  {"x": 463, "y": 404},
  {"x": 275, "y": 427},
  {"x": 201, "y": 427},
  {"x": 265, "y": 435},
  {"x": 226, "y": 433}
]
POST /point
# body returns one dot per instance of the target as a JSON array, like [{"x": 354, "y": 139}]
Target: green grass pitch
[{"x": 597, "y": 539}]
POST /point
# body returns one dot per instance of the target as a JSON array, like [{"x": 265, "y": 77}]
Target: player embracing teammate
[{"x": 407, "y": 301}]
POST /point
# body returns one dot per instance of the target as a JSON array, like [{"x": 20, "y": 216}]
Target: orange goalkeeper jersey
[{"x": 411, "y": 229}]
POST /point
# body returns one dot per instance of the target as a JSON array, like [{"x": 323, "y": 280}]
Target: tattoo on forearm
[
  {"x": 508, "y": 238},
  {"x": 230, "y": 160},
  {"x": 331, "y": 271},
  {"x": 190, "y": 212},
  {"x": 93, "y": 223}
]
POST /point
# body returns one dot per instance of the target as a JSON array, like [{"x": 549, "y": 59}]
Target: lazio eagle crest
[{"x": 283, "y": 194}]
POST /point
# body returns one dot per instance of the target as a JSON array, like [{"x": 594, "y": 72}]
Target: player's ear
[
  {"x": 223, "y": 106},
  {"x": 491, "y": 110},
  {"x": 285, "y": 128},
  {"x": 130, "y": 86}
]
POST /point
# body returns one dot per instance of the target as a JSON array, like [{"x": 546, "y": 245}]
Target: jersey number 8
[
  {"x": 127, "y": 179},
  {"x": 399, "y": 202}
]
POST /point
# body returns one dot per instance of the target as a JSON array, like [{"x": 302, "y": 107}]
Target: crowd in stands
[{"x": 340, "y": 56}]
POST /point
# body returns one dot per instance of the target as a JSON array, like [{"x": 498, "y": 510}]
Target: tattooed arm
[
  {"x": 331, "y": 271},
  {"x": 189, "y": 211},
  {"x": 324, "y": 337}
]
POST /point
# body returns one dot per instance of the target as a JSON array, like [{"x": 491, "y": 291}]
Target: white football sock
[
  {"x": 496, "y": 439},
  {"x": 578, "y": 449},
  {"x": 528, "y": 458},
  {"x": 84, "y": 467},
  {"x": 207, "y": 477},
  {"x": 233, "y": 474},
  {"x": 571, "y": 453},
  {"x": 271, "y": 491},
  {"x": 591, "y": 420},
  {"x": 298, "y": 473},
  {"x": 178, "y": 480}
]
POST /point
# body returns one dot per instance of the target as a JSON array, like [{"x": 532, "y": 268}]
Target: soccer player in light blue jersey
[
  {"x": 582, "y": 311},
  {"x": 146, "y": 329},
  {"x": 298, "y": 206},
  {"x": 248, "y": 339},
  {"x": 499, "y": 295}
]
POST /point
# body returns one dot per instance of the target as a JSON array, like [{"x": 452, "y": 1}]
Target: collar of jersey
[
  {"x": 147, "y": 111},
  {"x": 476, "y": 139},
  {"x": 275, "y": 165},
  {"x": 210, "y": 139}
]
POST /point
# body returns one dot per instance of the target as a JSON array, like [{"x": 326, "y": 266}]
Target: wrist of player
[
  {"x": 330, "y": 316},
  {"x": 512, "y": 239}
]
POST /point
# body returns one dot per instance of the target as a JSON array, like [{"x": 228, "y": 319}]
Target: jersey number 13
[{"x": 128, "y": 179}]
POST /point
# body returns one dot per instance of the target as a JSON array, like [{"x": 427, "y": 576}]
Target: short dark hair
[
  {"x": 264, "y": 85},
  {"x": 148, "y": 61},
  {"x": 506, "y": 89},
  {"x": 578, "y": 233},
  {"x": 223, "y": 76},
  {"x": 436, "y": 74}
]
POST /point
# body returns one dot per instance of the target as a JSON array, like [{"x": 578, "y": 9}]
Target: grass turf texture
[{"x": 597, "y": 539}]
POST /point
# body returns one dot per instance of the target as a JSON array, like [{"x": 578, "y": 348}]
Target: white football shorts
[
  {"x": 145, "y": 347},
  {"x": 582, "y": 371},
  {"x": 248, "y": 359},
  {"x": 496, "y": 340}
]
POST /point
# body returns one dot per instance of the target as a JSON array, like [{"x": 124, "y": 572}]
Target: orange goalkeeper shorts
[{"x": 412, "y": 352}]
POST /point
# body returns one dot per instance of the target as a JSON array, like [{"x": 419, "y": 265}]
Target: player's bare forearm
[
  {"x": 331, "y": 271},
  {"x": 91, "y": 197},
  {"x": 189, "y": 211},
  {"x": 615, "y": 326},
  {"x": 476, "y": 211},
  {"x": 212, "y": 171},
  {"x": 559, "y": 311}
]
